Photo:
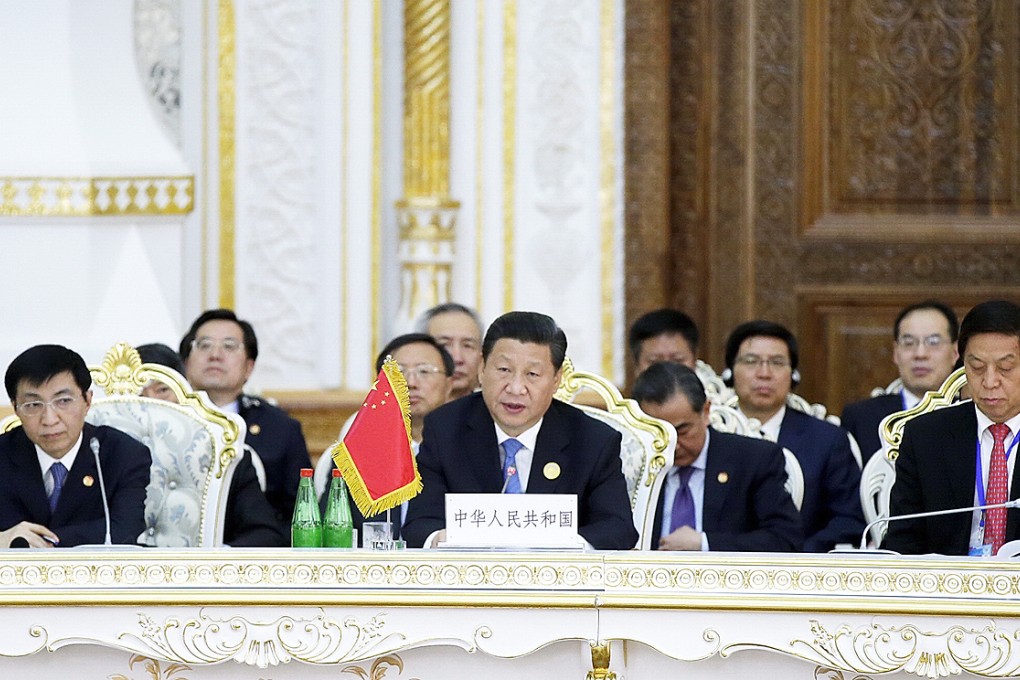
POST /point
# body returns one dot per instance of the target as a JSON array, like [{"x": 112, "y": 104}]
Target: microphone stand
[
  {"x": 933, "y": 513},
  {"x": 94, "y": 445}
]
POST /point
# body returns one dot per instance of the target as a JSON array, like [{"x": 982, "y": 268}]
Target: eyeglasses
[
  {"x": 207, "y": 345},
  {"x": 421, "y": 371},
  {"x": 753, "y": 360},
  {"x": 910, "y": 343},
  {"x": 34, "y": 409}
]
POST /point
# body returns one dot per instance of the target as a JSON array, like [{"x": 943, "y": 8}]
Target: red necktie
[{"x": 998, "y": 489}]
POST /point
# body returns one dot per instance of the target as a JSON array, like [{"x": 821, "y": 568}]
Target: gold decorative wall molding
[
  {"x": 96, "y": 196},
  {"x": 226, "y": 100},
  {"x": 426, "y": 215}
]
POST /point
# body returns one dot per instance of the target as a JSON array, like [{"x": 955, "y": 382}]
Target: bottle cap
[
  {"x": 336, "y": 472},
  {"x": 307, "y": 472}
]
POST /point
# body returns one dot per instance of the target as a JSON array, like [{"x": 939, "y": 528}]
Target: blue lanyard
[{"x": 979, "y": 475}]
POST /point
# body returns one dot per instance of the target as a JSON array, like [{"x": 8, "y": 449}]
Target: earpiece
[
  {"x": 727, "y": 377},
  {"x": 795, "y": 377}
]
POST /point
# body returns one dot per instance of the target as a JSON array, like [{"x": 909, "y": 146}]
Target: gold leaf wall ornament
[
  {"x": 378, "y": 669},
  {"x": 988, "y": 652},
  {"x": 154, "y": 670},
  {"x": 92, "y": 196},
  {"x": 317, "y": 640}
]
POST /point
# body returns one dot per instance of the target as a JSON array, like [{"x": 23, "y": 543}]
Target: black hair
[
  {"x": 994, "y": 316},
  {"x": 527, "y": 327},
  {"x": 411, "y": 339},
  {"x": 38, "y": 364},
  {"x": 158, "y": 353},
  {"x": 662, "y": 322},
  {"x": 940, "y": 307},
  {"x": 658, "y": 383},
  {"x": 251, "y": 343},
  {"x": 761, "y": 328}
]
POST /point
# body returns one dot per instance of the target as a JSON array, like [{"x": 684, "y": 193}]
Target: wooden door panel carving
[{"x": 831, "y": 162}]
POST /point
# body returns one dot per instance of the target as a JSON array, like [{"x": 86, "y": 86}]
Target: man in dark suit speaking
[
  {"x": 724, "y": 491},
  {"x": 965, "y": 455},
  {"x": 513, "y": 437},
  {"x": 49, "y": 483}
]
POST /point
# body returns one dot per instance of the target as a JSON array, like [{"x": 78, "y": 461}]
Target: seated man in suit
[
  {"x": 663, "y": 335},
  {"x": 49, "y": 482},
  {"x": 458, "y": 329},
  {"x": 924, "y": 351},
  {"x": 724, "y": 491},
  {"x": 250, "y": 520},
  {"x": 761, "y": 365},
  {"x": 219, "y": 353},
  {"x": 504, "y": 439},
  {"x": 964, "y": 455}
]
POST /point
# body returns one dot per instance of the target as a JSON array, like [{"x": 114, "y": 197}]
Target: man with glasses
[
  {"x": 219, "y": 353},
  {"x": 965, "y": 455},
  {"x": 924, "y": 351},
  {"x": 49, "y": 483},
  {"x": 761, "y": 366},
  {"x": 428, "y": 369}
]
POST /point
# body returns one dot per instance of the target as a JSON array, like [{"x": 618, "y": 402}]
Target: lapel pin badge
[
  {"x": 88, "y": 480},
  {"x": 551, "y": 471},
  {"x": 255, "y": 428},
  {"x": 723, "y": 477}
]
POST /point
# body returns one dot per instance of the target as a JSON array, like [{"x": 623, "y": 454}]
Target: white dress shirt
[
  {"x": 987, "y": 442},
  {"x": 46, "y": 461}
]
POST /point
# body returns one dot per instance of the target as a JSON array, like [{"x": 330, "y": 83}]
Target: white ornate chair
[
  {"x": 879, "y": 474},
  {"x": 647, "y": 447},
  {"x": 892, "y": 388},
  {"x": 194, "y": 447},
  {"x": 716, "y": 389},
  {"x": 725, "y": 418}
]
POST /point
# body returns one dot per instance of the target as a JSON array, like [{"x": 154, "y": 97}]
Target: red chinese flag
[{"x": 375, "y": 455}]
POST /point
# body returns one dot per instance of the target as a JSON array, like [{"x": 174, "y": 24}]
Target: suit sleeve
[
  {"x": 778, "y": 526},
  {"x": 426, "y": 512},
  {"x": 842, "y": 481},
  {"x": 250, "y": 519},
  {"x": 295, "y": 456},
  {"x": 907, "y": 536},
  {"x": 126, "y": 464},
  {"x": 607, "y": 522}
]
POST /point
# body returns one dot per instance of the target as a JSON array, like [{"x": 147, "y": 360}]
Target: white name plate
[{"x": 512, "y": 520}]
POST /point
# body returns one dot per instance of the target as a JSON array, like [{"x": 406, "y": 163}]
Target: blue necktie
[
  {"x": 683, "y": 501},
  {"x": 511, "y": 480},
  {"x": 58, "y": 473}
]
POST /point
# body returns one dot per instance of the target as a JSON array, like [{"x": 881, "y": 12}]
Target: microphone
[
  {"x": 94, "y": 445},
  {"x": 1015, "y": 503},
  {"x": 511, "y": 472}
]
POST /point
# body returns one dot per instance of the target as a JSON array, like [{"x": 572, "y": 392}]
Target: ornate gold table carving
[{"x": 334, "y": 610}]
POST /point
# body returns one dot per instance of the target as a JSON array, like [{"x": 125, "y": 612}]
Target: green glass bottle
[
  {"x": 306, "y": 527},
  {"x": 337, "y": 526}
]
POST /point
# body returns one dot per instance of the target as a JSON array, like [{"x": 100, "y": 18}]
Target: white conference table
[{"x": 233, "y": 613}]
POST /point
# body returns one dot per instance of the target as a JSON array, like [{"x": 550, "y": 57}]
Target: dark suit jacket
[
  {"x": 78, "y": 518},
  {"x": 862, "y": 418},
  {"x": 251, "y": 522},
  {"x": 936, "y": 471},
  {"x": 459, "y": 454},
  {"x": 831, "y": 512},
  {"x": 278, "y": 440},
  {"x": 746, "y": 505}
]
